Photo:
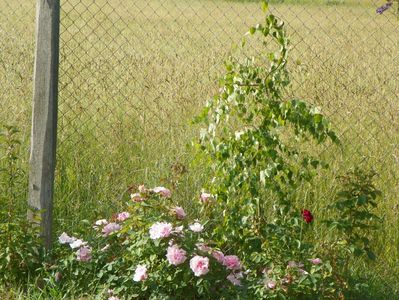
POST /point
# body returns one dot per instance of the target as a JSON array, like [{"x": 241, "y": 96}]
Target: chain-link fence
[{"x": 134, "y": 73}]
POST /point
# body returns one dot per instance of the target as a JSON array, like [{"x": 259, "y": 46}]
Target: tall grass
[{"x": 133, "y": 77}]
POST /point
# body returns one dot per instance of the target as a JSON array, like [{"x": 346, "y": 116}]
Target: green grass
[{"x": 132, "y": 78}]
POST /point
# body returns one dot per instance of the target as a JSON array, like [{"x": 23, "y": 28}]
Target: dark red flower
[{"x": 307, "y": 216}]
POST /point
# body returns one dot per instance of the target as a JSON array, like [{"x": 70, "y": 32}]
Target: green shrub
[{"x": 21, "y": 252}]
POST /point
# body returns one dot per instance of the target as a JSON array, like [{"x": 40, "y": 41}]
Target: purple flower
[{"x": 383, "y": 8}]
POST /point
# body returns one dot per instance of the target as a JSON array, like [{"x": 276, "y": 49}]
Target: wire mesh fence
[{"x": 134, "y": 73}]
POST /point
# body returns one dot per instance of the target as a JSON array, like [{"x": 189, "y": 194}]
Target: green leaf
[
  {"x": 370, "y": 254},
  {"x": 265, "y": 6}
]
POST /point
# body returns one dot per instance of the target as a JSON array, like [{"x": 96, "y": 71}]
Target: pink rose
[
  {"x": 205, "y": 197},
  {"x": 315, "y": 261},
  {"x": 218, "y": 255},
  {"x": 164, "y": 192},
  {"x": 123, "y": 216},
  {"x": 232, "y": 262},
  {"x": 203, "y": 247},
  {"x": 160, "y": 230},
  {"x": 175, "y": 255},
  {"x": 101, "y": 222},
  {"x": 83, "y": 254},
  {"x": 235, "y": 278},
  {"x": 196, "y": 227},
  {"x": 110, "y": 228},
  {"x": 65, "y": 239},
  {"x": 271, "y": 284},
  {"x": 140, "y": 274},
  {"x": 179, "y": 212},
  {"x": 199, "y": 265},
  {"x": 77, "y": 243}
]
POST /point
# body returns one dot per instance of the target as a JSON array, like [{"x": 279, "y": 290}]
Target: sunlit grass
[{"x": 132, "y": 78}]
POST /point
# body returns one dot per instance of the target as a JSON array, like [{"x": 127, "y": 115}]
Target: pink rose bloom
[
  {"x": 203, "y": 247},
  {"x": 123, "y": 216},
  {"x": 232, "y": 262},
  {"x": 83, "y": 254},
  {"x": 271, "y": 284},
  {"x": 110, "y": 228},
  {"x": 315, "y": 261},
  {"x": 218, "y": 255},
  {"x": 205, "y": 197},
  {"x": 101, "y": 222},
  {"x": 164, "y": 192},
  {"x": 65, "y": 239},
  {"x": 77, "y": 243},
  {"x": 199, "y": 265},
  {"x": 175, "y": 255},
  {"x": 196, "y": 227},
  {"x": 179, "y": 212},
  {"x": 235, "y": 278},
  {"x": 160, "y": 230},
  {"x": 140, "y": 273},
  {"x": 110, "y": 292}
]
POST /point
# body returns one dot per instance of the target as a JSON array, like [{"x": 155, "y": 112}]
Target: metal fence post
[{"x": 44, "y": 115}]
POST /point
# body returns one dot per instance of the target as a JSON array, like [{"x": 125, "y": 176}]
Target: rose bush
[
  {"x": 152, "y": 252},
  {"x": 149, "y": 250}
]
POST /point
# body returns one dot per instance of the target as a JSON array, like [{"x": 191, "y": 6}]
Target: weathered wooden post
[{"x": 44, "y": 115}]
